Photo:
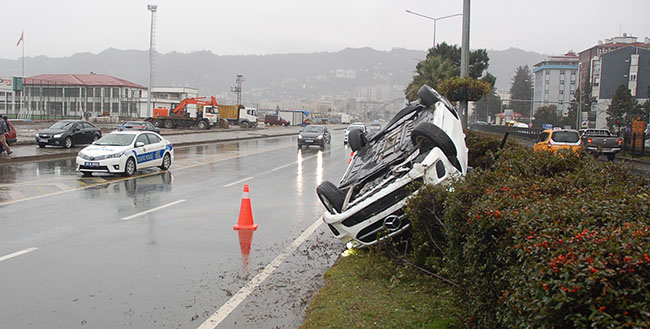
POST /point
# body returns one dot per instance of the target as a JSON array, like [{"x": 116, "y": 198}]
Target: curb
[{"x": 73, "y": 154}]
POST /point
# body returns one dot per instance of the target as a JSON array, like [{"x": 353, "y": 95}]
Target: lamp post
[
  {"x": 152, "y": 9},
  {"x": 434, "y": 19}
]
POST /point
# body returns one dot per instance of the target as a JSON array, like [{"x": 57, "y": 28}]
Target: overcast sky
[{"x": 254, "y": 27}]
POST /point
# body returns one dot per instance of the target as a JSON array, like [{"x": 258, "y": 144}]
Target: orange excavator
[{"x": 190, "y": 112}]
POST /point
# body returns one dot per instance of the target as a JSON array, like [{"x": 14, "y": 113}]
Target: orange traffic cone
[
  {"x": 245, "y": 241},
  {"x": 245, "y": 213}
]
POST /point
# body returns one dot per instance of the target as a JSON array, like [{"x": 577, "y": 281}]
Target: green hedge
[{"x": 536, "y": 240}]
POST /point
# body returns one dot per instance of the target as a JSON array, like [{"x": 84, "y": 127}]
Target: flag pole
[{"x": 22, "y": 77}]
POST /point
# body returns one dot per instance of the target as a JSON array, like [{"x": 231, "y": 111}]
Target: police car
[{"x": 125, "y": 152}]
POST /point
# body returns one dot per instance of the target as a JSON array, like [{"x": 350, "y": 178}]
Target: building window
[
  {"x": 561, "y": 91},
  {"x": 632, "y": 77},
  {"x": 572, "y": 92},
  {"x": 573, "y": 82},
  {"x": 562, "y": 82}
]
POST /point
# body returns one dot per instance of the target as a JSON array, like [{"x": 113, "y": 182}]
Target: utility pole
[
  {"x": 464, "y": 58},
  {"x": 237, "y": 88},
  {"x": 152, "y": 9}
]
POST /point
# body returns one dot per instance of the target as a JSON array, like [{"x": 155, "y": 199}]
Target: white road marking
[
  {"x": 17, "y": 253},
  {"x": 215, "y": 319},
  {"x": 293, "y": 163},
  {"x": 239, "y": 181},
  {"x": 154, "y": 209}
]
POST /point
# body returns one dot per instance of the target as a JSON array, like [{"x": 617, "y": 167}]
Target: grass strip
[{"x": 366, "y": 290}]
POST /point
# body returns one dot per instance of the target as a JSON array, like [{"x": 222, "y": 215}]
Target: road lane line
[
  {"x": 215, "y": 319},
  {"x": 154, "y": 209},
  {"x": 17, "y": 253},
  {"x": 239, "y": 181},
  {"x": 293, "y": 163}
]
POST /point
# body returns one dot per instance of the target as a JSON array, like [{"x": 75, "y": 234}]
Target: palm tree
[{"x": 430, "y": 71}]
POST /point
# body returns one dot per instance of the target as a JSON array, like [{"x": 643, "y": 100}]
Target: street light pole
[
  {"x": 434, "y": 19},
  {"x": 152, "y": 9},
  {"x": 464, "y": 58}
]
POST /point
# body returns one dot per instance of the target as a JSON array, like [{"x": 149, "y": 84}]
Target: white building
[{"x": 556, "y": 80}]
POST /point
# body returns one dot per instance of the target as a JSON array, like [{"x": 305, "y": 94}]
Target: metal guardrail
[
  {"x": 633, "y": 143},
  {"x": 528, "y": 133}
]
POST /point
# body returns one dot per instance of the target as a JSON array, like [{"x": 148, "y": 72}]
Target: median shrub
[{"x": 530, "y": 239}]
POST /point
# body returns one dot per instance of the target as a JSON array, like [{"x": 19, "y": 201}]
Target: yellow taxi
[{"x": 556, "y": 140}]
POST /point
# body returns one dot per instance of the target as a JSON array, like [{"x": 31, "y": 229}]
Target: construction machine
[{"x": 190, "y": 112}]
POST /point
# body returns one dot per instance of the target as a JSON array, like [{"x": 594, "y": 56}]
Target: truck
[
  {"x": 601, "y": 141},
  {"x": 239, "y": 115},
  {"x": 190, "y": 112}
]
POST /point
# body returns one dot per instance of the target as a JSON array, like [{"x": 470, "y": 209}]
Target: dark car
[
  {"x": 138, "y": 125},
  {"x": 270, "y": 119},
  {"x": 68, "y": 133},
  {"x": 314, "y": 135}
]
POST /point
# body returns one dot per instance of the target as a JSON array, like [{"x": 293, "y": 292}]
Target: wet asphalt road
[{"x": 158, "y": 250}]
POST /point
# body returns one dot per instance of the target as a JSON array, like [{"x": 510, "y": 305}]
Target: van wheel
[
  {"x": 357, "y": 139},
  {"x": 331, "y": 197},
  {"x": 427, "y": 95},
  {"x": 432, "y": 136}
]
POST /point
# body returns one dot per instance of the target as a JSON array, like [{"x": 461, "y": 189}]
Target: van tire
[
  {"x": 331, "y": 197},
  {"x": 432, "y": 136},
  {"x": 427, "y": 96},
  {"x": 357, "y": 139}
]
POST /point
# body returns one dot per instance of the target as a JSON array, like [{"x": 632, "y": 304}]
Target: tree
[
  {"x": 623, "y": 108},
  {"x": 521, "y": 91},
  {"x": 430, "y": 72},
  {"x": 490, "y": 104},
  {"x": 443, "y": 62},
  {"x": 478, "y": 59},
  {"x": 546, "y": 114}
]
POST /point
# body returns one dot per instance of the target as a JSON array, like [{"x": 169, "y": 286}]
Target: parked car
[
  {"x": 423, "y": 143},
  {"x": 601, "y": 141},
  {"x": 125, "y": 152},
  {"x": 558, "y": 140},
  {"x": 314, "y": 135},
  {"x": 355, "y": 125},
  {"x": 139, "y": 125},
  {"x": 272, "y": 120},
  {"x": 68, "y": 133}
]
